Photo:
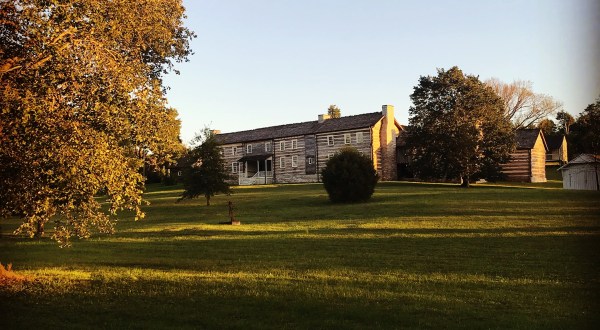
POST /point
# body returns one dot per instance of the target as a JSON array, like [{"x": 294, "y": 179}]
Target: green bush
[{"x": 349, "y": 177}]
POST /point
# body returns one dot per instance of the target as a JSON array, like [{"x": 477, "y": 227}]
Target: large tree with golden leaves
[{"x": 81, "y": 94}]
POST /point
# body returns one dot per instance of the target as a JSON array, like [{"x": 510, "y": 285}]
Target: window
[
  {"x": 235, "y": 167},
  {"x": 249, "y": 148},
  {"x": 282, "y": 145},
  {"x": 310, "y": 160},
  {"x": 179, "y": 173},
  {"x": 234, "y": 151},
  {"x": 330, "y": 140},
  {"x": 359, "y": 137},
  {"x": 329, "y": 155},
  {"x": 294, "y": 144},
  {"x": 267, "y": 146},
  {"x": 281, "y": 162},
  {"x": 347, "y": 138},
  {"x": 294, "y": 161}
]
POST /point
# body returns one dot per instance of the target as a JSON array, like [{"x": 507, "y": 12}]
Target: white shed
[{"x": 583, "y": 173}]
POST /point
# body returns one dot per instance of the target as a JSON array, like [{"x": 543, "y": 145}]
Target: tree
[
  {"x": 204, "y": 169},
  {"x": 522, "y": 106},
  {"x": 458, "y": 128},
  {"x": 349, "y": 177},
  {"x": 333, "y": 111},
  {"x": 565, "y": 120},
  {"x": 547, "y": 126},
  {"x": 81, "y": 96},
  {"x": 585, "y": 132}
]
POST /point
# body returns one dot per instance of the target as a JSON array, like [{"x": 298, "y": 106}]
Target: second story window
[
  {"x": 233, "y": 151},
  {"x": 347, "y": 138},
  {"x": 282, "y": 145},
  {"x": 267, "y": 146},
  {"x": 330, "y": 140},
  {"x": 294, "y": 144},
  {"x": 249, "y": 148}
]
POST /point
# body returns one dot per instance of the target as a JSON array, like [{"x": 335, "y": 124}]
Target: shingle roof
[
  {"x": 526, "y": 138},
  {"x": 310, "y": 127},
  {"x": 583, "y": 159},
  {"x": 554, "y": 142}
]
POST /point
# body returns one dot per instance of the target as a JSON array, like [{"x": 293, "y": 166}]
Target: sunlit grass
[{"x": 417, "y": 255}]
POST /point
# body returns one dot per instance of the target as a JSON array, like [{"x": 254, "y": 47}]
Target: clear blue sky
[{"x": 259, "y": 63}]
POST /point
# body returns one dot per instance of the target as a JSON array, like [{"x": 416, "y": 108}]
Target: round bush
[{"x": 349, "y": 177}]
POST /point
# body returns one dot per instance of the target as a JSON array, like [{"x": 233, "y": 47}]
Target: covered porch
[{"x": 255, "y": 169}]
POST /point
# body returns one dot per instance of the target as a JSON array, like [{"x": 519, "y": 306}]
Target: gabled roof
[
  {"x": 309, "y": 127},
  {"x": 554, "y": 142},
  {"x": 582, "y": 159},
  {"x": 526, "y": 138}
]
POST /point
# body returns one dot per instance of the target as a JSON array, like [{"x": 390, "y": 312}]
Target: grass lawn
[{"x": 416, "y": 256}]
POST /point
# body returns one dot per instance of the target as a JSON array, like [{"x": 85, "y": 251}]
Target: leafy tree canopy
[
  {"x": 81, "y": 96},
  {"x": 205, "y": 173},
  {"x": 349, "y": 177},
  {"x": 585, "y": 132},
  {"x": 333, "y": 111},
  {"x": 457, "y": 128}
]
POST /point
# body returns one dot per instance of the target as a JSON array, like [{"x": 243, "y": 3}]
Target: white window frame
[
  {"x": 233, "y": 151},
  {"x": 281, "y": 145},
  {"x": 235, "y": 167},
  {"x": 311, "y": 160},
  {"x": 294, "y": 144},
  {"x": 294, "y": 161},
  {"x": 281, "y": 162},
  {"x": 267, "y": 146},
  {"x": 330, "y": 140},
  {"x": 347, "y": 138},
  {"x": 359, "y": 137},
  {"x": 329, "y": 155},
  {"x": 249, "y": 148}
]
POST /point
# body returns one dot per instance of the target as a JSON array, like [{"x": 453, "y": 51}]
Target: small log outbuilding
[
  {"x": 582, "y": 173},
  {"x": 528, "y": 162},
  {"x": 557, "y": 150}
]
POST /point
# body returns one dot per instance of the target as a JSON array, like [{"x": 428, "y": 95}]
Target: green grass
[{"x": 415, "y": 256}]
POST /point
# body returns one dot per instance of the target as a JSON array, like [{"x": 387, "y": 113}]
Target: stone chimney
[
  {"x": 388, "y": 134},
  {"x": 216, "y": 131},
  {"x": 323, "y": 118}
]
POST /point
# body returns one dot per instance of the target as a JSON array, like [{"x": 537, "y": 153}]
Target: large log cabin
[{"x": 296, "y": 153}]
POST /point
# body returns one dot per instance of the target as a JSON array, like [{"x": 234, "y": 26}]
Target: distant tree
[
  {"x": 333, "y": 111},
  {"x": 81, "y": 96},
  {"x": 204, "y": 171},
  {"x": 585, "y": 132},
  {"x": 548, "y": 127},
  {"x": 458, "y": 128},
  {"x": 522, "y": 106},
  {"x": 349, "y": 177},
  {"x": 565, "y": 120}
]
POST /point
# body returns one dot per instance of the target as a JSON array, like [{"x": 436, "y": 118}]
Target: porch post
[{"x": 266, "y": 171}]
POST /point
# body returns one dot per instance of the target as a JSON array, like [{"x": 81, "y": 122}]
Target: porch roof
[{"x": 255, "y": 157}]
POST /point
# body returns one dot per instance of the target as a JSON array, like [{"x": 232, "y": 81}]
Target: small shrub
[{"x": 349, "y": 177}]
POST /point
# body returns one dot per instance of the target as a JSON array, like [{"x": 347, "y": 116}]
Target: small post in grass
[{"x": 231, "y": 217}]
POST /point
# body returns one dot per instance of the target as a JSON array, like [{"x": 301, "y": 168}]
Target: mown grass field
[{"x": 416, "y": 256}]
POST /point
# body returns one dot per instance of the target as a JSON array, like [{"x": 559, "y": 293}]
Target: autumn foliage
[{"x": 81, "y": 95}]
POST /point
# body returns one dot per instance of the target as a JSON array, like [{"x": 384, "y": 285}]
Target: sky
[{"x": 261, "y": 63}]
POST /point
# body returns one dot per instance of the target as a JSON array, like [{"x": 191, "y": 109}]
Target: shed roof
[
  {"x": 582, "y": 159},
  {"x": 526, "y": 138},
  {"x": 297, "y": 129},
  {"x": 554, "y": 142}
]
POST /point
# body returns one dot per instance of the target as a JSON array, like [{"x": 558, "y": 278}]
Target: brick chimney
[
  {"x": 388, "y": 135},
  {"x": 323, "y": 118}
]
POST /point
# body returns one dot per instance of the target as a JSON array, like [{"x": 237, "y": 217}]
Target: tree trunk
[
  {"x": 465, "y": 181},
  {"x": 40, "y": 229}
]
